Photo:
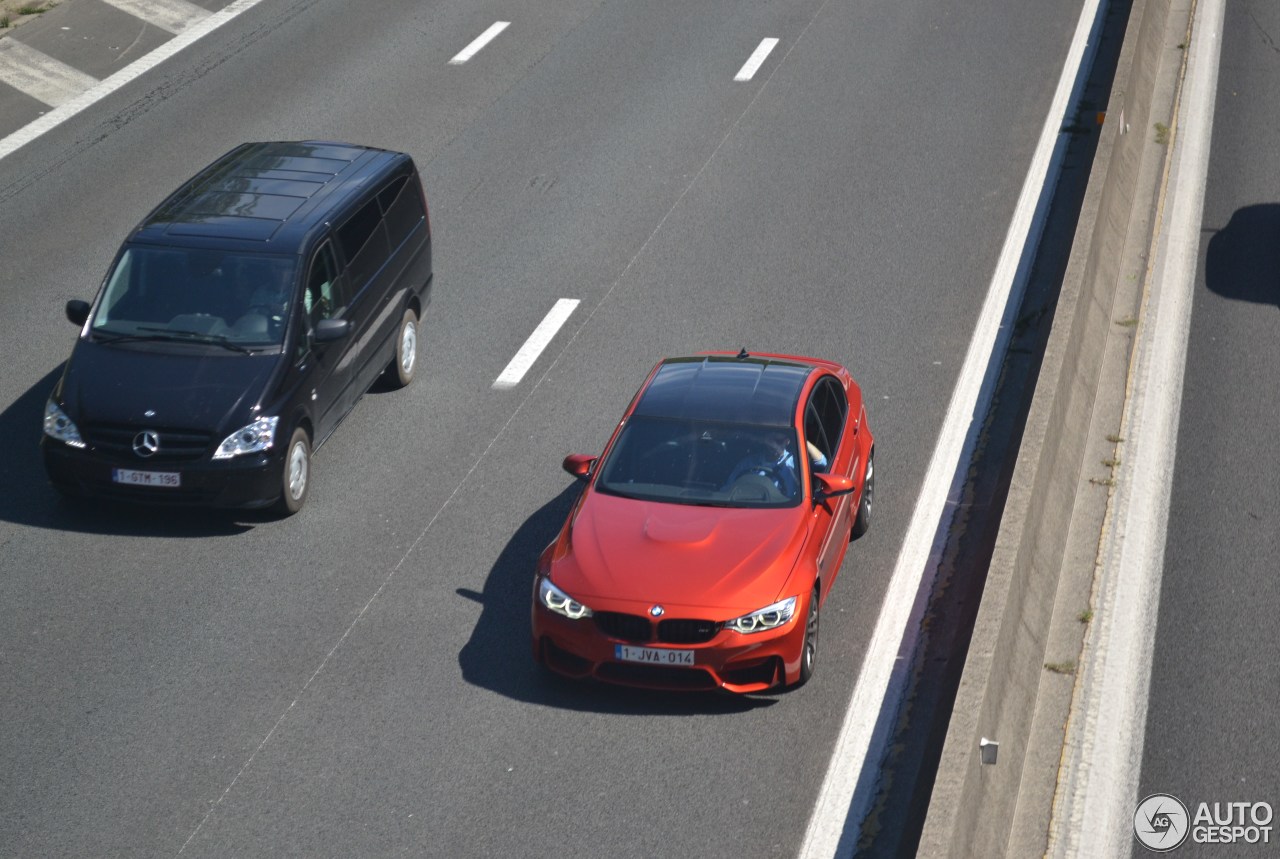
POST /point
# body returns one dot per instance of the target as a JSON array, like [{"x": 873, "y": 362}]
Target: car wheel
[
  {"x": 295, "y": 477},
  {"x": 809, "y": 650},
  {"x": 863, "y": 520},
  {"x": 406, "y": 360}
]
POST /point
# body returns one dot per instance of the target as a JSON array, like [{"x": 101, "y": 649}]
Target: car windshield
[
  {"x": 195, "y": 295},
  {"x": 703, "y": 462}
]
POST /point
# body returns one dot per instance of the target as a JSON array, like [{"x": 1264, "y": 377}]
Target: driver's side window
[
  {"x": 320, "y": 295},
  {"x": 815, "y": 439},
  {"x": 824, "y": 422}
]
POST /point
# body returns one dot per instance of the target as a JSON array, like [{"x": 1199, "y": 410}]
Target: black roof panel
[
  {"x": 720, "y": 388},
  {"x": 266, "y": 196}
]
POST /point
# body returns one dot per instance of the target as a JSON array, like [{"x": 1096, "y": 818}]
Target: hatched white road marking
[
  {"x": 757, "y": 58},
  {"x": 538, "y": 340},
  {"x": 99, "y": 90},
  {"x": 480, "y": 41},
  {"x": 39, "y": 75},
  {"x": 173, "y": 16}
]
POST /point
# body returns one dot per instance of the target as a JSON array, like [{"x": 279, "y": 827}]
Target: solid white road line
[
  {"x": 860, "y": 744},
  {"x": 757, "y": 58},
  {"x": 1097, "y": 809},
  {"x": 68, "y": 109},
  {"x": 39, "y": 75},
  {"x": 483, "y": 39},
  {"x": 538, "y": 340},
  {"x": 173, "y": 16}
]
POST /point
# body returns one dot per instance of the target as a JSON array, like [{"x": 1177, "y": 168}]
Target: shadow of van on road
[
  {"x": 1243, "y": 258},
  {"x": 28, "y": 499},
  {"x": 498, "y": 654}
]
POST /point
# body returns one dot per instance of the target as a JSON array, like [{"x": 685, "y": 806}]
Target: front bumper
[
  {"x": 247, "y": 481},
  {"x": 729, "y": 660}
]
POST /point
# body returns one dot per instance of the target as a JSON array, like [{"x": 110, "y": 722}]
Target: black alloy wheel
[
  {"x": 809, "y": 650},
  {"x": 862, "y": 523}
]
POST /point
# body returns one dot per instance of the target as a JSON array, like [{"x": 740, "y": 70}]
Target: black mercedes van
[{"x": 239, "y": 323}]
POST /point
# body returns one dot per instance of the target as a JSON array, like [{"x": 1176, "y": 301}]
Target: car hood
[
  {"x": 121, "y": 383},
  {"x": 737, "y": 559}
]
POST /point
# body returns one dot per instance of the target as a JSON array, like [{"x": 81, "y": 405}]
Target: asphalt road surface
[
  {"x": 356, "y": 680},
  {"x": 1215, "y": 682}
]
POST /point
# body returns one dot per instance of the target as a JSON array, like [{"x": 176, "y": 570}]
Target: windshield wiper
[{"x": 179, "y": 336}]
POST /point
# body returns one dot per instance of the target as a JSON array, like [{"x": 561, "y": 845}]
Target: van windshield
[{"x": 194, "y": 294}]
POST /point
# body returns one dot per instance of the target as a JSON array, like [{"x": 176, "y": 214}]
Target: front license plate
[
  {"x": 162, "y": 479},
  {"x": 652, "y": 655}
]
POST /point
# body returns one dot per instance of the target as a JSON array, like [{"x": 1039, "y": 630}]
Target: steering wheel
[{"x": 760, "y": 466}]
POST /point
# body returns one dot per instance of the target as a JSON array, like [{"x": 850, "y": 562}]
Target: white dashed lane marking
[
  {"x": 480, "y": 41},
  {"x": 538, "y": 340},
  {"x": 757, "y": 58}
]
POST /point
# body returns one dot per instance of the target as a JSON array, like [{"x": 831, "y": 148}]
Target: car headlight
[
  {"x": 58, "y": 425},
  {"x": 769, "y": 617},
  {"x": 259, "y": 435},
  {"x": 560, "y": 602}
]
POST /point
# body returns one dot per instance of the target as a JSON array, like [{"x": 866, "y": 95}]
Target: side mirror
[
  {"x": 831, "y": 486},
  {"x": 328, "y": 330},
  {"x": 78, "y": 311},
  {"x": 579, "y": 464}
]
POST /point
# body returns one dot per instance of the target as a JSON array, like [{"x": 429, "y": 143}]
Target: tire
[
  {"x": 809, "y": 649},
  {"x": 862, "y": 522},
  {"x": 295, "y": 474},
  {"x": 400, "y": 372}
]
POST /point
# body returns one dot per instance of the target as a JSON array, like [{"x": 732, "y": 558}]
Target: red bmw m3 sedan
[{"x": 711, "y": 528}]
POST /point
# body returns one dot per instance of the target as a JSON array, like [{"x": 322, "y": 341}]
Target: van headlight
[
  {"x": 769, "y": 617},
  {"x": 58, "y": 425},
  {"x": 255, "y": 437}
]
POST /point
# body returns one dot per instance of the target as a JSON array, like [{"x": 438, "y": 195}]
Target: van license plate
[
  {"x": 162, "y": 479},
  {"x": 652, "y": 655}
]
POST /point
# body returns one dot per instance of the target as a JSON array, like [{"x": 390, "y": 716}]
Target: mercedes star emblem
[{"x": 146, "y": 443}]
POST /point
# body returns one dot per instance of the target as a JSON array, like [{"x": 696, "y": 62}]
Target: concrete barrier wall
[{"x": 973, "y": 805}]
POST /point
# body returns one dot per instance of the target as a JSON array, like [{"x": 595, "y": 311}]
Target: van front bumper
[{"x": 246, "y": 481}]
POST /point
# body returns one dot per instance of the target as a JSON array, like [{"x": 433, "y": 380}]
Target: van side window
[
  {"x": 364, "y": 244},
  {"x": 402, "y": 208},
  {"x": 321, "y": 297}
]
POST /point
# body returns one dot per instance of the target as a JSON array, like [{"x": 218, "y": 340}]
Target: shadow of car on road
[
  {"x": 498, "y": 655},
  {"x": 1243, "y": 257},
  {"x": 30, "y": 500}
]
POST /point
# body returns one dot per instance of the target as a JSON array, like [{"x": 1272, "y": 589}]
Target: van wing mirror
[
  {"x": 78, "y": 311},
  {"x": 328, "y": 330},
  {"x": 579, "y": 464}
]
